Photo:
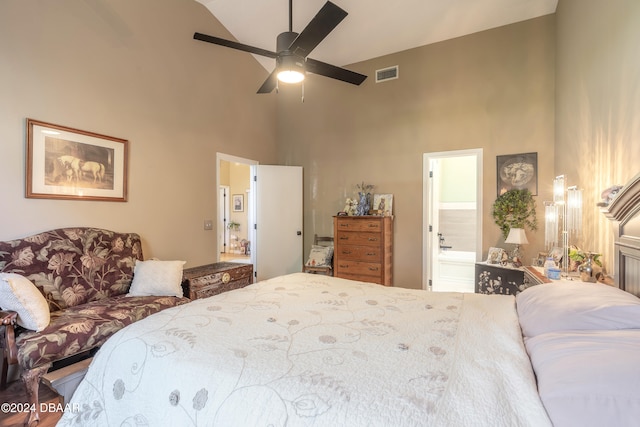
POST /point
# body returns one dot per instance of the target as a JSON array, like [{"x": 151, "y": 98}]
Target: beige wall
[
  {"x": 598, "y": 104},
  {"x": 493, "y": 89},
  {"x": 130, "y": 69}
]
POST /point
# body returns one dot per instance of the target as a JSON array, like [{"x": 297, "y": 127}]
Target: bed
[
  {"x": 305, "y": 349},
  {"x": 310, "y": 350}
]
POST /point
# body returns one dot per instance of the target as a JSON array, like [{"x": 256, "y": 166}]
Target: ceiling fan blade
[
  {"x": 234, "y": 45},
  {"x": 331, "y": 71},
  {"x": 320, "y": 26},
  {"x": 269, "y": 84}
]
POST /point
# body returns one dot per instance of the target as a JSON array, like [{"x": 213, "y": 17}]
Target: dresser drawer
[
  {"x": 359, "y": 268},
  {"x": 349, "y": 224},
  {"x": 359, "y": 238},
  {"x": 359, "y": 253}
]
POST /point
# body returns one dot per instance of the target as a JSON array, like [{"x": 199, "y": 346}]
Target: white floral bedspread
[{"x": 310, "y": 350}]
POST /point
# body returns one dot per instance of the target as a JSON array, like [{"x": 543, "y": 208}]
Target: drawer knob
[
  {"x": 346, "y": 252},
  {"x": 373, "y": 268},
  {"x": 373, "y": 239},
  {"x": 226, "y": 277}
]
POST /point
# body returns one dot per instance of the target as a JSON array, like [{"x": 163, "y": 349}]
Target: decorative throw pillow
[
  {"x": 157, "y": 278},
  {"x": 570, "y": 305},
  {"x": 320, "y": 256},
  {"x": 19, "y": 294}
]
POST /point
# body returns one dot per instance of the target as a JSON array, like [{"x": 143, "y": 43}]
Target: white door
[
  {"x": 277, "y": 210},
  {"x": 452, "y": 215}
]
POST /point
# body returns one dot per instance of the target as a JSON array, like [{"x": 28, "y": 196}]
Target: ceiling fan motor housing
[
  {"x": 285, "y": 40},
  {"x": 288, "y": 61}
]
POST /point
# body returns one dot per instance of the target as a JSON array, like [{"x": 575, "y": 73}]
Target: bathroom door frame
[{"x": 429, "y": 209}]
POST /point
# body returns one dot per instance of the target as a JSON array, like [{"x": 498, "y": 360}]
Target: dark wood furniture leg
[
  {"x": 31, "y": 380},
  {"x": 7, "y": 343},
  {"x": 3, "y": 375}
]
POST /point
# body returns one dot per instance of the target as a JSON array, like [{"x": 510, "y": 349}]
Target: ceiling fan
[{"x": 292, "y": 50}]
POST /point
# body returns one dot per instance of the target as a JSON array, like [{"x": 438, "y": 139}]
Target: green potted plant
[{"x": 515, "y": 209}]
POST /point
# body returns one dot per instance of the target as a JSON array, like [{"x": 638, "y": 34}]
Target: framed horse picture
[{"x": 66, "y": 163}]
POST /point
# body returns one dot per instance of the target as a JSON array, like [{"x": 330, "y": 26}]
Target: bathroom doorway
[{"x": 452, "y": 218}]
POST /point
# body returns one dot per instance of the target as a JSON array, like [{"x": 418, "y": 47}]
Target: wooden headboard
[{"x": 624, "y": 210}]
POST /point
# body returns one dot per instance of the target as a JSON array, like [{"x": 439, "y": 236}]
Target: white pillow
[
  {"x": 320, "y": 256},
  {"x": 570, "y": 305},
  {"x": 588, "y": 378},
  {"x": 19, "y": 294},
  {"x": 157, "y": 278}
]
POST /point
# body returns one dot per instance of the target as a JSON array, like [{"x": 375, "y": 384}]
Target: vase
[
  {"x": 586, "y": 269},
  {"x": 363, "y": 204}
]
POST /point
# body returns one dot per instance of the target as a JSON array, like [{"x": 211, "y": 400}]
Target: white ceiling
[{"x": 373, "y": 28}]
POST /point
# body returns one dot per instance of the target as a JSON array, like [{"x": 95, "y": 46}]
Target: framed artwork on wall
[
  {"x": 517, "y": 172},
  {"x": 238, "y": 202},
  {"x": 67, "y": 163}
]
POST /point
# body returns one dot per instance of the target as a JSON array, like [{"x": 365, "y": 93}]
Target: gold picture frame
[{"x": 72, "y": 164}]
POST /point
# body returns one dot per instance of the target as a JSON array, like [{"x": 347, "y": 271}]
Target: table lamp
[{"x": 516, "y": 237}]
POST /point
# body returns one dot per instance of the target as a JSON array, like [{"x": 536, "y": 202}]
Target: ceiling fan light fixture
[
  {"x": 291, "y": 69},
  {"x": 290, "y": 76}
]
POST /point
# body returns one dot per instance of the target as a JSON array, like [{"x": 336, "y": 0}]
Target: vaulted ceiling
[{"x": 373, "y": 28}]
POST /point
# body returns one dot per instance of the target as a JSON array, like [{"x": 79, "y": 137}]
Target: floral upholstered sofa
[{"x": 72, "y": 290}]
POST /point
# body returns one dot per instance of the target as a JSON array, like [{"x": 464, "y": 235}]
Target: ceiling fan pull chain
[{"x": 302, "y": 100}]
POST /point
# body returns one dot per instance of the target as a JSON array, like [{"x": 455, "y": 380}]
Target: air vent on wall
[{"x": 389, "y": 73}]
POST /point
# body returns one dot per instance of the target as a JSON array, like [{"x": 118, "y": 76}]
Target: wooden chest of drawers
[
  {"x": 363, "y": 248},
  {"x": 212, "y": 279}
]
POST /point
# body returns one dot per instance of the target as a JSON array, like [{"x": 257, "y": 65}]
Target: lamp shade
[{"x": 517, "y": 236}]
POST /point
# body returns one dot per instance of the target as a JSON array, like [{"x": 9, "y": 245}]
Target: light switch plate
[{"x": 208, "y": 224}]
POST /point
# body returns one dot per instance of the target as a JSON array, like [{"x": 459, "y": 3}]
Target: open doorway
[
  {"x": 452, "y": 217},
  {"x": 234, "y": 208}
]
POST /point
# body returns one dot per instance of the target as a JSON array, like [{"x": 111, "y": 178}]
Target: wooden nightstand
[
  {"x": 496, "y": 279},
  {"x": 208, "y": 280}
]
